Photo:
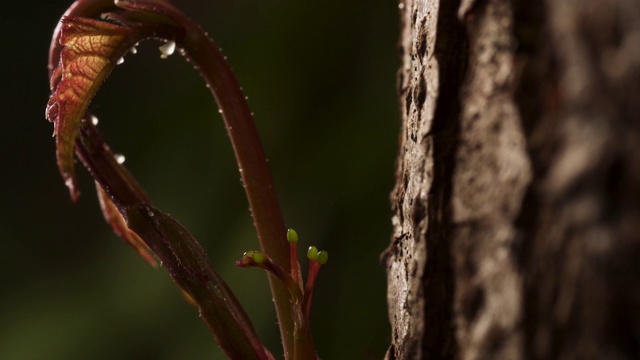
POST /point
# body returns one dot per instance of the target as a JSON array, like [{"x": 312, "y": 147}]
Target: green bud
[
  {"x": 322, "y": 257},
  {"x": 259, "y": 257},
  {"x": 248, "y": 253},
  {"x": 292, "y": 236},
  {"x": 312, "y": 253}
]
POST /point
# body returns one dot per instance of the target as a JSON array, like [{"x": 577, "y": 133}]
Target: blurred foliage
[{"x": 320, "y": 76}]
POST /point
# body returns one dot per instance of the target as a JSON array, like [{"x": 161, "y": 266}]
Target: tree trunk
[{"x": 517, "y": 202}]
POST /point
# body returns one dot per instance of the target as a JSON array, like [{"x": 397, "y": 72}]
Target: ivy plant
[{"x": 92, "y": 37}]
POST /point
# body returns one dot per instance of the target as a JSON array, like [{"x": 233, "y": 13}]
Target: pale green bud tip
[
  {"x": 312, "y": 253},
  {"x": 259, "y": 257},
  {"x": 323, "y": 256},
  {"x": 292, "y": 236}
]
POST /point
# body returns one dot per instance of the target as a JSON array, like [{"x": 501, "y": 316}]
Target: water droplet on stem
[
  {"x": 167, "y": 49},
  {"x": 119, "y": 158}
]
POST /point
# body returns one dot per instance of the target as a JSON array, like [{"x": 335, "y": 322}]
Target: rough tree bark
[{"x": 517, "y": 203}]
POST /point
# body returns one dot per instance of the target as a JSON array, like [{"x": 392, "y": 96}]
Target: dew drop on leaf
[
  {"x": 120, "y": 61},
  {"x": 94, "y": 120}
]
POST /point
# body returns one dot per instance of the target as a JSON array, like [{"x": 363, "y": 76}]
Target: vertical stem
[
  {"x": 295, "y": 274},
  {"x": 252, "y": 161},
  {"x": 314, "y": 268}
]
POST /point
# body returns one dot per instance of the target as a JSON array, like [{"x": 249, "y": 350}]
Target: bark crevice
[{"x": 420, "y": 254}]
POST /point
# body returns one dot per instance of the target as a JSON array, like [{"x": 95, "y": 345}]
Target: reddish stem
[
  {"x": 295, "y": 267},
  {"x": 181, "y": 254},
  {"x": 314, "y": 268}
]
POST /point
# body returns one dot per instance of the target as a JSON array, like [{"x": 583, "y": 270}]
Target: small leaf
[{"x": 90, "y": 51}]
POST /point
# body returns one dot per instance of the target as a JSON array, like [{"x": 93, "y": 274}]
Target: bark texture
[{"x": 517, "y": 202}]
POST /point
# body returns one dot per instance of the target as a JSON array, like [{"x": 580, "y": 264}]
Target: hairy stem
[
  {"x": 158, "y": 18},
  {"x": 252, "y": 162}
]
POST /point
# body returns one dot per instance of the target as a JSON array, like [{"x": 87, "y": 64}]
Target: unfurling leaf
[
  {"x": 87, "y": 52},
  {"x": 91, "y": 49}
]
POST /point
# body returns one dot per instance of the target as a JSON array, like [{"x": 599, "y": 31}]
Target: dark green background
[{"x": 320, "y": 76}]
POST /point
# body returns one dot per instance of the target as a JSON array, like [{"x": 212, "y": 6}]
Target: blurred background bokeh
[{"x": 320, "y": 76}]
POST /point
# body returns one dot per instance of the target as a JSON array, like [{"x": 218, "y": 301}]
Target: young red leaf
[
  {"x": 168, "y": 240},
  {"x": 91, "y": 49}
]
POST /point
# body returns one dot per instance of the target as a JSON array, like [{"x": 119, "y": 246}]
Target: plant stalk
[
  {"x": 181, "y": 254},
  {"x": 268, "y": 220},
  {"x": 252, "y": 163}
]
